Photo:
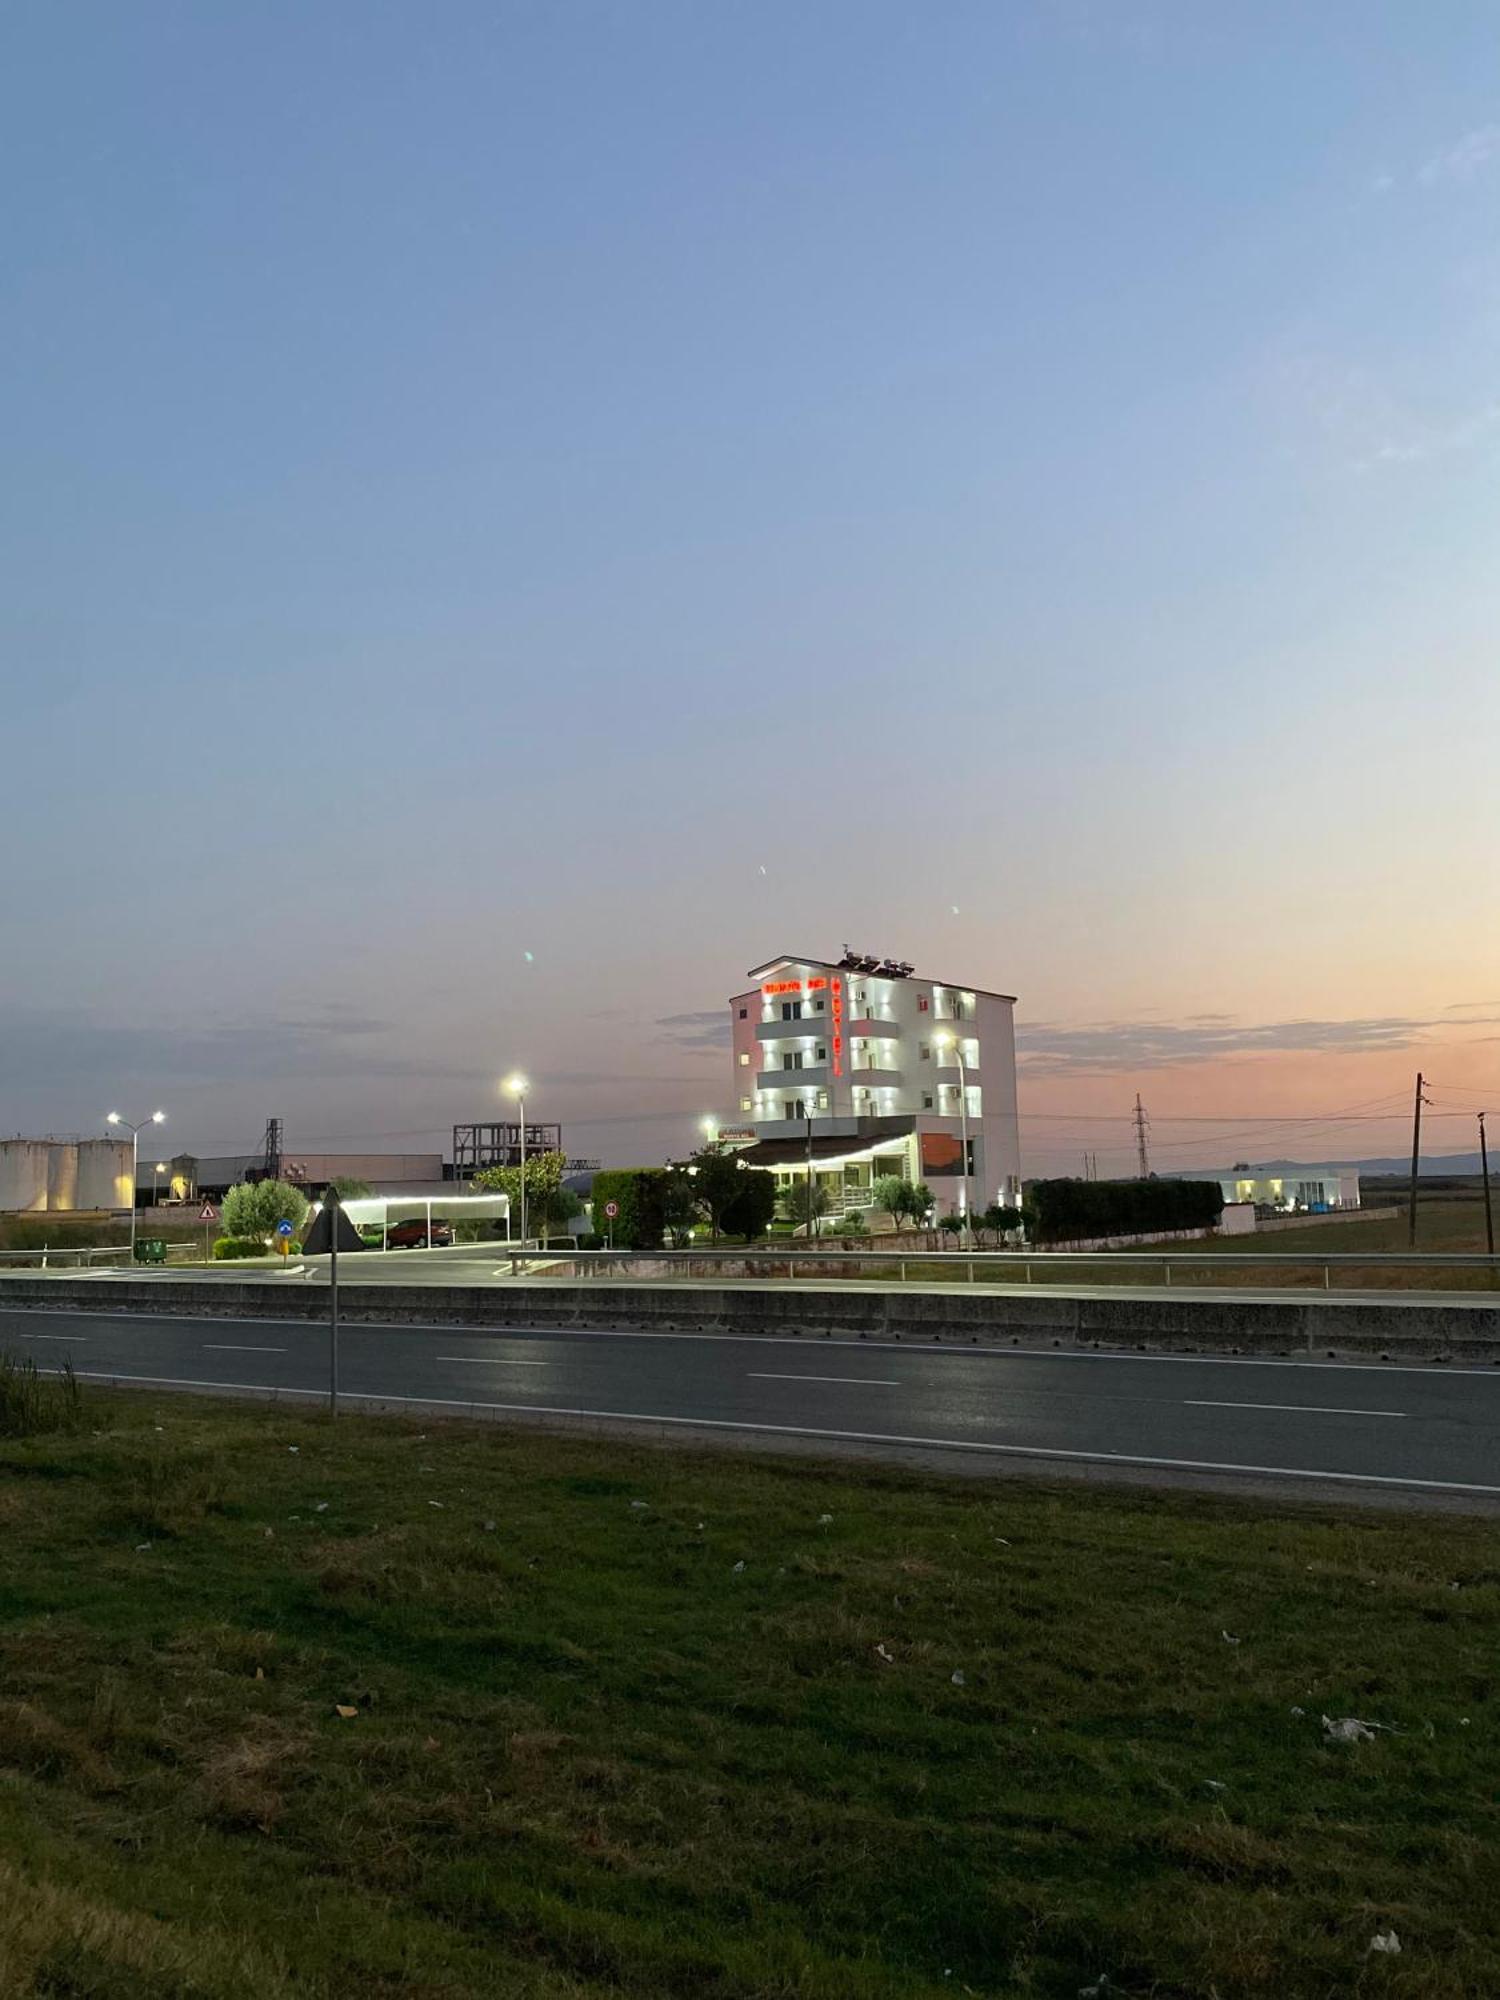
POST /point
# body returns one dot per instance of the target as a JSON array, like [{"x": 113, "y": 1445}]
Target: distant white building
[
  {"x": 1294, "y": 1190},
  {"x": 880, "y": 1072}
]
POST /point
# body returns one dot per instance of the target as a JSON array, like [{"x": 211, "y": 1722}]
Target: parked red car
[{"x": 413, "y": 1235}]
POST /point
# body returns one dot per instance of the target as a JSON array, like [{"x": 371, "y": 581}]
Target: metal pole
[
  {"x": 1484, "y": 1168},
  {"x": 808, "y": 1116},
  {"x": 331, "y": 1210},
  {"x": 521, "y": 1101},
  {"x": 135, "y": 1174},
  {"x": 963, "y": 1127},
  {"x": 1416, "y": 1150}
]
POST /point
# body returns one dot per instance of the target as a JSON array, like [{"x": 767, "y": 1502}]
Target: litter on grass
[
  {"x": 1229, "y": 1638},
  {"x": 1387, "y": 1942},
  {"x": 1348, "y": 1729},
  {"x": 957, "y": 1678},
  {"x": 880, "y": 1649},
  {"x": 739, "y": 1566},
  {"x": 638, "y": 1504},
  {"x": 343, "y": 1709}
]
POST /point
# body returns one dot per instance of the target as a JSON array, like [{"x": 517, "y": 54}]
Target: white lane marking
[
  {"x": 56, "y": 1336},
  {"x": 234, "y": 1347},
  {"x": 811, "y": 1343},
  {"x": 808, "y": 1430},
  {"x": 859, "y": 1381},
  {"x": 1302, "y": 1409},
  {"x": 493, "y": 1360}
]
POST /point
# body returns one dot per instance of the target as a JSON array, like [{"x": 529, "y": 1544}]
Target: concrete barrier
[{"x": 1387, "y": 1328}]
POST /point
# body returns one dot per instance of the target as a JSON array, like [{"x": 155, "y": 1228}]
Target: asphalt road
[{"x": 1298, "y": 1425}]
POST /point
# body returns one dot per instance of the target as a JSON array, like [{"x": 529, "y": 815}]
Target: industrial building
[
  {"x": 1289, "y": 1190},
  {"x": 64, "y": 1176},
  {"x": 186, "y": 1178},
  {"x": 870, "y": 1069}
]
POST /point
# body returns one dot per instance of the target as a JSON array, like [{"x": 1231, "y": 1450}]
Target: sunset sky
[{"x": 517, "y": 513}]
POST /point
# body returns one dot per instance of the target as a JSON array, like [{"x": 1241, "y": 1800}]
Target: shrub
[
  {"x": 641, "y": 1194},
  {"x": 853, "y": 1224},
  {"x": 229, "y": 1247},
  {"x": 951, "y": 1225},
  {"x": 1070, "y": 1210}
]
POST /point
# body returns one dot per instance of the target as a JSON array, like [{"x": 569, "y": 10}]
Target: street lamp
[
  {"x": 156, "y": 1186},
  {"x": 709, "y": 1127},
  {"x": 135, "y": 1131},
  {"x": 946, "y": 1040},
  {"x": 516, "y": 1084}
]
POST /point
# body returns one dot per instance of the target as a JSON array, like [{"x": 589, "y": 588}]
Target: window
[
  {"x": 746, "y": 1104},
  {"x": 822, "y": 1055},
  {"x": 791, "y": 1010},
  {"x": 744, "y": 1013},
  {"x": 924, "y": 1050},
  {"x": 926, "y": 1100},
  {"x": 744, "y": 1060},
  {"x": 923, "y": 1003},
  {"x": 822, "y": 1100},
  {"x": 793, "y": 1108},
  {"x": 818, "y": 1006},
  {"x": 792, "y": 1061}
]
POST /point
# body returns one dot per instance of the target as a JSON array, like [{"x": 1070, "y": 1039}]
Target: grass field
[{"x": 630, "y": 1723}]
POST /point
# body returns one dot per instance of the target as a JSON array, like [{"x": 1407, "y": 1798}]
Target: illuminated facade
[{"x": 880, "y": 1070}]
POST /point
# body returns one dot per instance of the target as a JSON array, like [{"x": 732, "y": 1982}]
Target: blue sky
[{"x": 489, "y": 480}]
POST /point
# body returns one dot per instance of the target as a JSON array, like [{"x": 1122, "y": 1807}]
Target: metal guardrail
[
  {"x": 997, "y": 1266},
  {"x": 63, "y": 1253}
]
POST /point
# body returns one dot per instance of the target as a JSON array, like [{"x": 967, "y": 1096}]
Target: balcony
[
  {"x": 873, "y": 1025},
  {"x": 813, "y": 1077},
  {"x": 947, "y": 1075},
  {"x": 784, "y": 1031},
  {"x": 876, "y": 1077}
]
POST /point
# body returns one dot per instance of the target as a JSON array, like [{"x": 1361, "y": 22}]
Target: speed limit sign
[{"x": 611, "y": 1209}]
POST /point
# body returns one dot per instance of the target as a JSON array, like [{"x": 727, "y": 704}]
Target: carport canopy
[{"x": 381, "y": 1210}]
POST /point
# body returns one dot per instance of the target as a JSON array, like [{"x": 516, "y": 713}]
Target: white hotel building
[{"x": 881, "y": 1072}]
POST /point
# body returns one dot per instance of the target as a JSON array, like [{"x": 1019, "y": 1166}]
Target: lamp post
[
  {"x": 950, "y": 1041},
  {"x": 516, "y": 1085},
  {"x": 135, "y": 1131},
  {"x": 161, "y": 1168}
]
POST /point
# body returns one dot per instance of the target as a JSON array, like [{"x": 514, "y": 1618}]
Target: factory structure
[{"x": 64, "y": 1176}]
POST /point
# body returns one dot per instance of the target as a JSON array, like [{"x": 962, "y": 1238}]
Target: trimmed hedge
[
  {"x": 227, "y": 1248},
  {"x": 1070, "y": 1211},
  {"x": 641, "y": 1194}
]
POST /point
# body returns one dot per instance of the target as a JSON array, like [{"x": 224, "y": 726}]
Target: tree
[
  {"x": 803, "y": 1204},
  {"x": 749, "y": 1213},
  {"x": 892, "y": 1193},
  {"x": 951, "y": 1225},
  {"x": 716, "y": 1177},
  {"x": 679, "y": 1206},
  {"x": 919, "y": 1202},
  {"x": 255, "y": 1207},
  {"x": 544, "y": 1172}
]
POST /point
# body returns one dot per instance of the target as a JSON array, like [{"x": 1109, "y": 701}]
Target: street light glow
[
  {"x": 710, "y": 1126},
  {"x": 112, "y": 1118},
  {"x": 158, "y": 1118},
  {"x": 515, "y": 1083}
]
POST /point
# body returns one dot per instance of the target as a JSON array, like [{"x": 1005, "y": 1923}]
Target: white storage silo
[
  {"x": 23, "y": 1176},
  {"x": 103, "y": 1174},
  {"x": 62, "y": 1176}
]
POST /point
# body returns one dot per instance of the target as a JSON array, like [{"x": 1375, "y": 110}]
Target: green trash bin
[{"x": 150, "y": 1250}]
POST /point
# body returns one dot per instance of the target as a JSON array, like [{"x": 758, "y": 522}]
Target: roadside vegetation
[{"x": 439, "y": 1710}]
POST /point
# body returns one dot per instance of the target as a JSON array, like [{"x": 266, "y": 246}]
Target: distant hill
[{"x": 1439, "y": 1163}]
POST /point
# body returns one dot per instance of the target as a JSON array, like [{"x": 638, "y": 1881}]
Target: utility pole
[
  {"x": 807, "y": 1108},
  {"x": 1484, "y": 1168},
  {"x": 1142, "y": 1157},
  {"x": 1416, "y": 1151},
  {"x": 331, "y": 1210}
]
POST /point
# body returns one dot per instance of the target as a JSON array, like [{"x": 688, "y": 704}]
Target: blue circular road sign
[{"x": 283, "y": 1229}]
